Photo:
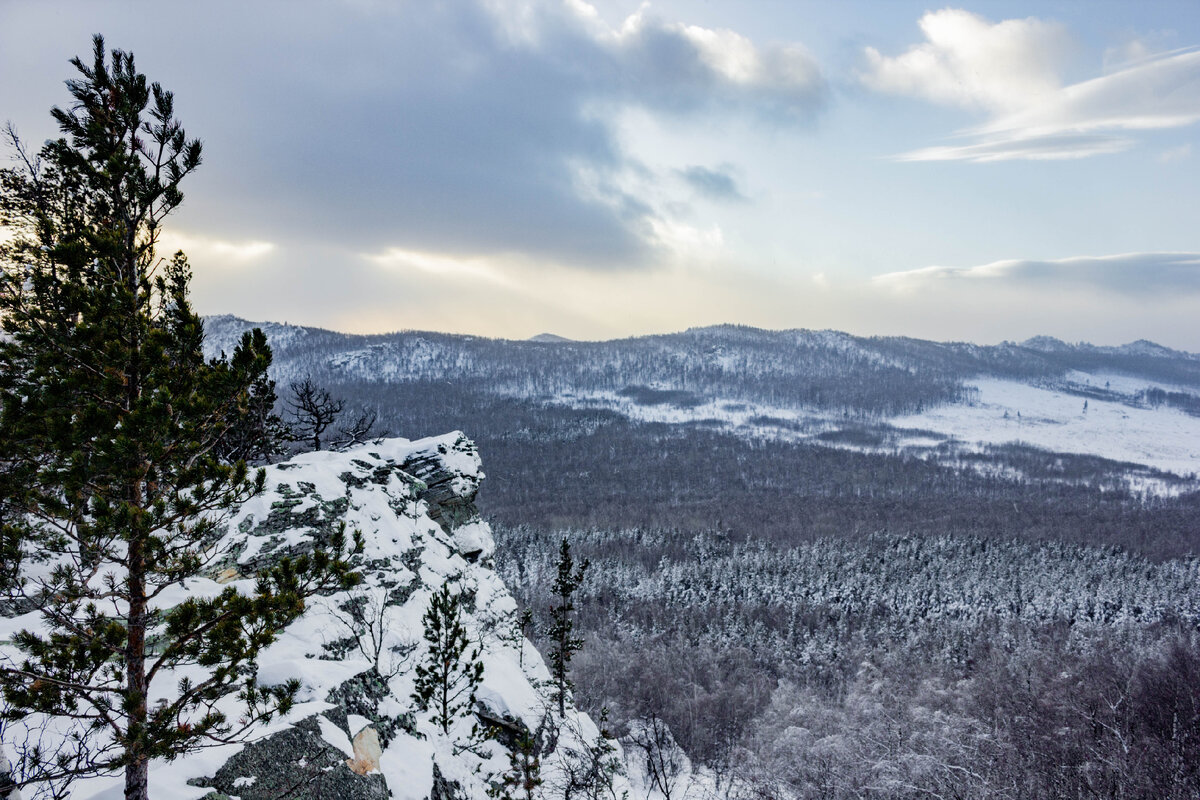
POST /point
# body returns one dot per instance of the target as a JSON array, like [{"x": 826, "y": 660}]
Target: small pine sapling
[
  {"x": 451, "y": 671},
  {"x": 563, "y": 644},
  {"x": 524, "y": 773}
]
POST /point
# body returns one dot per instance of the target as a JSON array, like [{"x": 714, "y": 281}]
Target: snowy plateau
[{"x": 355, "y": 732}]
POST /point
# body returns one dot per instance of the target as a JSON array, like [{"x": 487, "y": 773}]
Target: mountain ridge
[
  {"x": 1136, "y": 404},
  {"x": 1038, "y": 342}
]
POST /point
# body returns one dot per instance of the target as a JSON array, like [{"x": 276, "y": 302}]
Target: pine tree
[
  {"x": 260, "y": 434},
  {"x": 451, "y": 672},
  {"x": 524, "y": 770},
  {"x": 563, "y": 645},
  {"x": 111, "y": 428}
]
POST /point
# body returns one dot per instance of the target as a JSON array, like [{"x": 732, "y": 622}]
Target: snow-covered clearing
[
  {"x": 1009, "y": 411},
  {"x": 1002, "y": 412}
]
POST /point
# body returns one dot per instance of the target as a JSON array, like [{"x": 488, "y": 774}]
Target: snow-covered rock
[
  {"x": 7, "y": 790},
  {"x": 355, "y": 733}
]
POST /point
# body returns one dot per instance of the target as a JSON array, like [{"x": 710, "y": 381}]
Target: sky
[{"x": 979, "y": 171}]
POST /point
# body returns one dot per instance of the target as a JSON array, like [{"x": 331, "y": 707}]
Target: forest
[{"x": 893, "y": 666}]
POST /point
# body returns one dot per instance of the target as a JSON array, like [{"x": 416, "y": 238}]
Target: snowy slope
[
  {"x": 356, "y": 732},
  {"x": 1009, "y": 411},
  {"x": 999, "y": 412}
]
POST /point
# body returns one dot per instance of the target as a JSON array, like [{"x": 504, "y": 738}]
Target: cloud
[
  {"x": 471, "y": 126},
  {"x": 440, "y": 265},
  {"x": 1047, "y": 147},
  {"x": 1011, "y": 70},
  {"x": 715, "y": 184},
  {"x": 1176, "y": 153},
  {"x": 1130, "y": 274},
  {"x": 676, "y": 66},
  {"x": 970, "y": 62},
  {"x": 491, "y": 126},
  {"x": 214, "y": 250}
]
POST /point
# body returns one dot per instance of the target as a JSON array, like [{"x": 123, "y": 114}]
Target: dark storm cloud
[
  {"x": 456, "y": 127},
  {"x": 716, "y": 184}
]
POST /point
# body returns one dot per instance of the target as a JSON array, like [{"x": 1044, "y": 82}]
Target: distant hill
[{"x": 1136, "y": 405}]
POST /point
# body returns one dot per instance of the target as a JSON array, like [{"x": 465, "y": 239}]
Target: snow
[
  {"x": 356, "y": 723},
  {"x": 475, "y": 537},
  {"x": 1161, "y": 438},
  {"x": 1129, "y": 385},
  {"x": 335, "y": 736},
  {"x": 1050, "y": 418},
  {"x": 737, "y": 415}
]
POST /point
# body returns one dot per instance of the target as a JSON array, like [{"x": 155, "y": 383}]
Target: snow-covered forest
[{"x": 892, "y": 666}]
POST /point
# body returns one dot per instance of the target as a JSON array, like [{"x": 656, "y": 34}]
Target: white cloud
[
  {"x": 669, "y": 65},
  {"x": 440, "y": 265},
  {"x": 968, "y": 61},
  {"x": 1051, "y": 147},
  {"x": 1125, "y": 273},
  {"x": 1008, "y": 69},
  {"x": 1148, "y": 44},
  {"x": 688, "y": 243},
  {"x": 218, "y": 252}
]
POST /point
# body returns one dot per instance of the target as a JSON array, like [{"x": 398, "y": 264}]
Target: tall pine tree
[
  {"x": 112, "y": 427},
  {"x": 563, "y": 643}
]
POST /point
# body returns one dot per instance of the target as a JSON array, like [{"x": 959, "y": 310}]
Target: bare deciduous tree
[
  {"x": 359, "y": 430},
  {"x": 313, "y": 410},
  {"x": 370, "y": 619}
]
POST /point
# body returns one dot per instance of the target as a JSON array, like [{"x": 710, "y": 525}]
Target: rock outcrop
[{"x": 355, "y": 732}]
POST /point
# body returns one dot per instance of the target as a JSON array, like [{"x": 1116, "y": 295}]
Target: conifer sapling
[
  {"x": 446, "y": 680},
  {"x": 563, "y": 644}
]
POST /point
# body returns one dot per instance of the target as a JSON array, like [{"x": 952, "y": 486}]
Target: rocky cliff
[{"x": 356, "y": 731}]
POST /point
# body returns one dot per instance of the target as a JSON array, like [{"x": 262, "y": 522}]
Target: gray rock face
[
  {"x": 445, "y": 789},
  {"x": 361, "y": 696},
  {"x": 450, "y": 494},
  {"x": 295, "y": 763}
]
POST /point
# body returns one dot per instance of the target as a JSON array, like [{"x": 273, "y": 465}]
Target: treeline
[
  {"x": 1184, "y": 401},
  {"x": 597, "y": 471},
  {"x": 894, "y": 666},
  {"x": 790, "y": 376}
]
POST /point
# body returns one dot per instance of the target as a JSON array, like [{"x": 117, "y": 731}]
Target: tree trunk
[
  {"x": 137, "y": 780},
  {"x": 137, "y": 767}
]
